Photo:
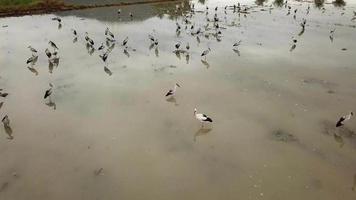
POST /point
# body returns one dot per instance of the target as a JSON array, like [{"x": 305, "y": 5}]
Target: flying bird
[{"x": 343, "y": 119}]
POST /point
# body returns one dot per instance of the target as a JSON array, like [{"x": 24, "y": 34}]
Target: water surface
[{"x": 117, "y": 137}]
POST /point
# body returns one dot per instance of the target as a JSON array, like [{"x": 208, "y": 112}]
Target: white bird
[
  {"x": 108, "y": 32},
  {"x": 343, "y": 119},
  {"x": 202, "y": 117},
  {"x": 173, "y": 92}
]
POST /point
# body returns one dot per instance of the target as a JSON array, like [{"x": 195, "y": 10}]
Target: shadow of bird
[{"x": 201, "y": 132}]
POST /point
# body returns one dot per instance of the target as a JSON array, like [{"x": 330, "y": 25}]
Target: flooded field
[{"x": 107, "y": 131}]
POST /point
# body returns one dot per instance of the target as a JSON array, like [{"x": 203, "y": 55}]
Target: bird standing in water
[
  {"x": 173, "y": 91},
  {"x": 202, "y": 117},
  {"x": 343, "y": 119}
]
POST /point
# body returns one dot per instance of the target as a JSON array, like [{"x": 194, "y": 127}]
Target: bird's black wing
[
  {"x": 170, "y": 92},
  {"x": 339, "y": 123}
]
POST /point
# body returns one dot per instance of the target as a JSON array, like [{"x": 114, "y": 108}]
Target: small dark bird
[
  {"x": 53, "y": 45},
  {"x": 48, "y": 53},
  {"x": 48, "y": 92},
  {"x": 125, "y": 41},
  {"x": 343, "y": 119}
]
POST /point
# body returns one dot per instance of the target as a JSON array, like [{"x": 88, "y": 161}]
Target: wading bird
[
  {"x": 202, "y": 117},
  {"x": 343, "y": 119},
  {"x": 173, "y": 91}
]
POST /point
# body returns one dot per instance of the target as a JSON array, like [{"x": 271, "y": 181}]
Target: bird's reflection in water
[
  {"x": 51, "y": 104},
  {"x": 173, "y": 100},
  {"x": 187, "y": 58},
  {"x": 75, "y": 40},
  {"x": 107, "y": 70},
  {"x": 177, "y": 52},
  {"x": 8, "y": 131},
  {"x": 339, "y": 139},
  {"x": 50, "y": 66},
  {"x": 157, "y": 52},
  {"x": 354, "y": 185},
  {"x": 151, "y": 46},
  {"x": 33, "y": 70},
  {"x": 126, "y": 53},
  {"x": 202, "y": 131},
  {"x": 237, "y": 51},
  {"x": 205, "y": 63},
  {"x": 198, "y": 39}
]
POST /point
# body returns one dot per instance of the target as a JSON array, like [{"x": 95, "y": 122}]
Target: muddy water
[{"x": 117, "y": 137}]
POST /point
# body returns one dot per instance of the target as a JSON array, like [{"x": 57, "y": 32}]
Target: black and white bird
[
  {"x": 59, "y": 20},
  {"x": 48, "y": 53},
  {"x": 5, "y": 120},
  {"x": 172, "y": 92},
  {"x": 236, "y": 44},
  {"x": 49, "y": 91},
  {"x": 177, "y": 45},
  {"x": 202, "y": 117},
  {"x": 53, "y": 45},
  {"x": 33, "y": 59},
  {"x": 104, "y": 56},
  {"x": 101, "y": 47},
  {"x": 205, "y": 52},
  {"x": 131, "y": 15},
  {"x": 119, "y": 11},
  {"x": 109, "y": 33},
  {"x": 343, "y": 119},
  {"x": 74, "y": 32},
  {"x": 32, "y": 49},
  {"x": 125, "y": 41}
]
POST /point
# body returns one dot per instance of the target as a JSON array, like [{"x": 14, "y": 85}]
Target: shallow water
[{"x": 117, "y": 137}]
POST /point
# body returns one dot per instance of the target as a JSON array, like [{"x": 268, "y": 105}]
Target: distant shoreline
[{"x": 58, "y": 6}]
